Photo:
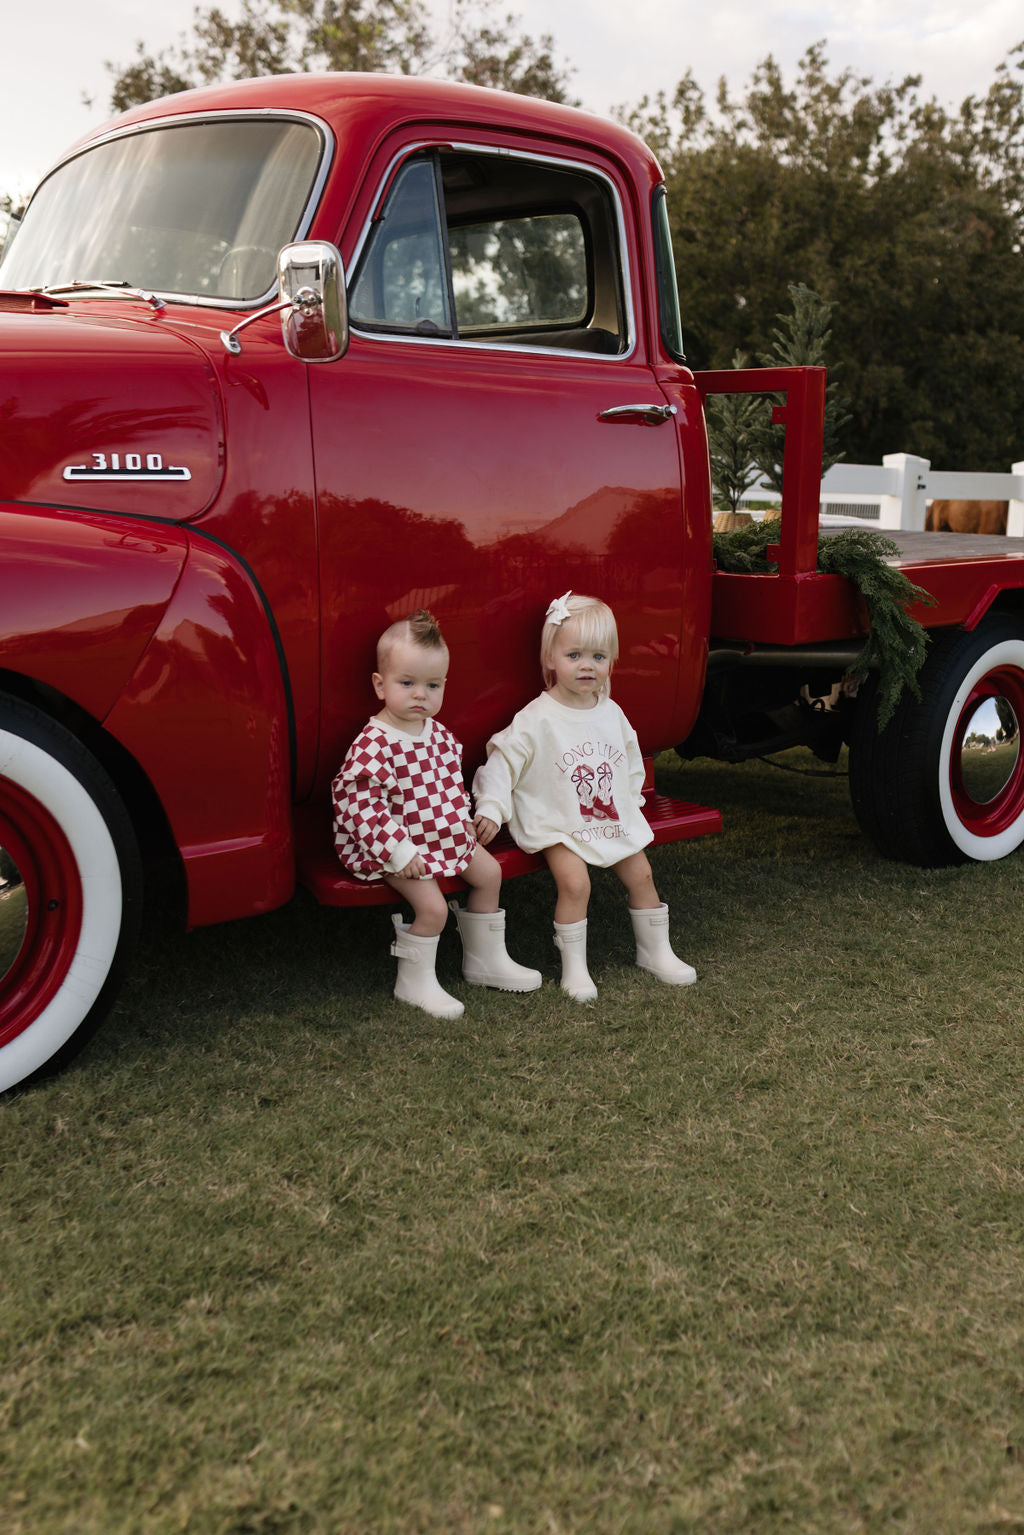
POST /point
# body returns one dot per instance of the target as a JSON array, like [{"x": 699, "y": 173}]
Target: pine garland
[{"x": 896, "y": 643}]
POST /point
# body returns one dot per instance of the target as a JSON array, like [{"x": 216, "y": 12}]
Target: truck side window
[
  {"x": 520, "y": 272},
  {"x": 526, "y": 252},
  {"x": 402, "y": 282}
]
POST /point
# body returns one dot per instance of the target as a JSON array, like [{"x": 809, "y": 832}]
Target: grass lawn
[{"x": 281, "y": 1255}]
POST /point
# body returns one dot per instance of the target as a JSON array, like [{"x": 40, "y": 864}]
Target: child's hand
[
  {"x": 414, "y": 869},
  {"x": 486, "y": 831}
]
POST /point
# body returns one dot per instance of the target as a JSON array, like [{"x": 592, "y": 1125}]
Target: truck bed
[
  {"x": 962, "y": 571},
  {"x": 916, "y": 548}
]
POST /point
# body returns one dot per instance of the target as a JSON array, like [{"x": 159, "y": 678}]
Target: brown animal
[{"x": 966, "y": 516}]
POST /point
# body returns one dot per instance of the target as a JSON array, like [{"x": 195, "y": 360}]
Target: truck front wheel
[
  {"x": 70, "y": 893},
  {"x": 944, "y": 781}
]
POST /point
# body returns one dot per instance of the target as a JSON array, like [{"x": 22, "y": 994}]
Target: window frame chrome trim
[{"x": 477, "y": 343}]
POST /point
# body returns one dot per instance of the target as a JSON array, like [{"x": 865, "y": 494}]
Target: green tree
[
  {"x": 286, "y": 36},
  {"x": 905, "y": 216},
  {"x": 800, "y": 339},
  {"x": 734, "y": 433}
]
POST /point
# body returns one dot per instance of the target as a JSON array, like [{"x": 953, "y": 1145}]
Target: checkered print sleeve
[{"x": 368, "y": 829}]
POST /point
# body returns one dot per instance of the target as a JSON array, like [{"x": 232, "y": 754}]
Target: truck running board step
[{"x": 671, "y": 820}]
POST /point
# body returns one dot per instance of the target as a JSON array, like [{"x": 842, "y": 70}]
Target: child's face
[
  {"x": 411, "y": 687},
  {"x": 581, "y": 674}
]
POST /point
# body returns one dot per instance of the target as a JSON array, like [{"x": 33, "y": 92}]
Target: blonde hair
[
  {"x": 594, "y": 624},
  {"x": 420, "y": 628}
]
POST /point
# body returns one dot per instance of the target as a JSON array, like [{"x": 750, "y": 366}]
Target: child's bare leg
[
  {"x": 572, "y": 881},
  {"x": 429, "y": 912},
  {"x": 635, "y": 874},
  {"x": 483, "y": 876}
]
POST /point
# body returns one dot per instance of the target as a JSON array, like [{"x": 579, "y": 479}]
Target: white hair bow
[{"x": 558, "y": 611}]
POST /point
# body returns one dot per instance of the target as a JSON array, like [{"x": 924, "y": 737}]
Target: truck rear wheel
[
  {"x": 944, "y": 781},
  {"x": 70, "y": 893}
]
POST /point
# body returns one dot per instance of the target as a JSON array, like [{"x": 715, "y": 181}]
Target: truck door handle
[{"x": 652, "y": 415}]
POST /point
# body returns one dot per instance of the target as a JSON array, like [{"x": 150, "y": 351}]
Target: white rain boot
[
  {"x": 485, "y": 960},
  {"x": 571, "y": 938},
  {"x": 417, "y": 984},
  {"x": 653, "y": 950}
]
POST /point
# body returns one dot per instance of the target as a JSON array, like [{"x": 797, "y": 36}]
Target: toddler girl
[
  {"x": 567, "y": 775},
  {"x": 401, "y": 814}
]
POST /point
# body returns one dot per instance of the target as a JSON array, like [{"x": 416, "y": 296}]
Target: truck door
[{"x": 494, "y": 436}]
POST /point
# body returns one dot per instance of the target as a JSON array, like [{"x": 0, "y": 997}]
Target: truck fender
[
  {"x": 206, "y": 714},
  {"x": 80, "y": 597}
]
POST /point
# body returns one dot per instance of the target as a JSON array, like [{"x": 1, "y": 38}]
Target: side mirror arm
[{"x": 313, "y": 307}]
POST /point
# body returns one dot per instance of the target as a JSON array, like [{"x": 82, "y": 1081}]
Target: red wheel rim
[
  {"x": 993, "y": 816},
  {"x": 53, "y": 898}
]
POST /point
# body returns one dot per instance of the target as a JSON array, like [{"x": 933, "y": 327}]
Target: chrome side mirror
[
  {"x": 313, "y": 307},
  {"x": 315, "y": 323}
]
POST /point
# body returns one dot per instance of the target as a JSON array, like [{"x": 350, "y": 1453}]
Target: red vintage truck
[{"x": 286, "y": 359}]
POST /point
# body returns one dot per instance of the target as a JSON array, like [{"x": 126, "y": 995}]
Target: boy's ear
[{"x": 378, "y": 684}]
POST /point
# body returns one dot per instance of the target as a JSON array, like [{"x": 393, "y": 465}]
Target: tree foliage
[
  {"x": 735, "y": 423},
  {"x": 801, "y": 340},
  {"x": 272, "y": 37},
  {"x": 745, "y": 445},
  {"x": 906, "y": 216}
]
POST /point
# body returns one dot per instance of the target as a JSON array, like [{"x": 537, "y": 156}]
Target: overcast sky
[{"x": 620, "y": 51}]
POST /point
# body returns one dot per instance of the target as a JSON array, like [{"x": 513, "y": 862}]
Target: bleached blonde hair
[{"x": 594, "y": 623}]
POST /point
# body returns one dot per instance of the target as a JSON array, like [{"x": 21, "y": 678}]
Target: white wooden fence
[{"x": 895, "y": 493}]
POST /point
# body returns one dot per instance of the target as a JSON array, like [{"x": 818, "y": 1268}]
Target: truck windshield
[{"x": 198, "y": 208}]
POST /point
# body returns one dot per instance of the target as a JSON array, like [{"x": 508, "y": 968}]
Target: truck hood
[{"x": 103, "y": 412}]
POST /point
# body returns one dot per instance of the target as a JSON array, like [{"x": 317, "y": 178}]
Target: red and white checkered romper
[{"x": 394, "y": 788}]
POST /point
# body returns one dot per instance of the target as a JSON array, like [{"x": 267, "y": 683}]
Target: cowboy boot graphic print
[
  {"x": 604, "y": 797},
  {"x": 583, "y": 783}
]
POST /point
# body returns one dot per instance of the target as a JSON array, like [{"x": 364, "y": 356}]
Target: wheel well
[
  {"x": 164, "y": 874},
  {"x": 761, "y": 702},
  {"x": 1008, "y": 602}
]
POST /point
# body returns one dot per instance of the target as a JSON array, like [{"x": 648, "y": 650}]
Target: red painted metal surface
[
  {"x": 671, "y": 820},
  {"x": 108, "y": 412},
  {"x": 785, "y": 610},
  {"x": 808, "y": 608},
  {"x": 963, "y": 590},
  {"x": 696, "y": 571},
  {"x": 205, "y": 715},
  {"x": 80, "y": 598},
  {"x": 534, "y": 493}
]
